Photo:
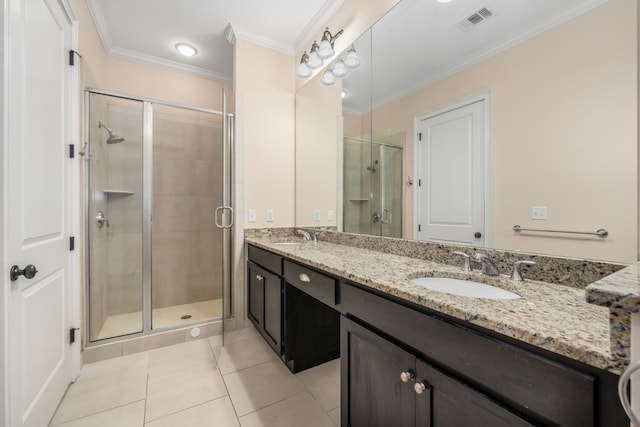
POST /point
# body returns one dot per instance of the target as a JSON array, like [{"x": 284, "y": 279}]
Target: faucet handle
[
  {"x": 515, "y": 274},
  {"x": 467, "y": 265}
]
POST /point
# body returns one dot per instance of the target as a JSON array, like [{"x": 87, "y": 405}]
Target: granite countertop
[
  {"x": 618, "y": 291},
  {"x": 553, "y": 317}
]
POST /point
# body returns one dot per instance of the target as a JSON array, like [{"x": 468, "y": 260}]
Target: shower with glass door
[{"x": 157, "y": 214}]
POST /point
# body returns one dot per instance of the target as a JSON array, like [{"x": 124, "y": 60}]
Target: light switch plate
[
  {"x": 316, "y": 214},
  {"x": 538, "y": 212},
  {"x": 270, "y": 217},
  {"x": 252, "y": 215},
  {"x": 330, "y": 215}
]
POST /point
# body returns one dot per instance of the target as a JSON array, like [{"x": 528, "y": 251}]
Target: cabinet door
[
  {"x": 372, "y": 392},
  {"x": 447, "y": 402},
  {"x": 255, "y": 289},
  {"x": 273, "y": 310}
]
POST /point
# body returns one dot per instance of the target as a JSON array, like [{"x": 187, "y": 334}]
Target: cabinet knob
[
  {"x": 259, "y": 277},
  {"x": 304, "y": 278},
  {"x": 406, "y": 376},
  {"x": 419, "y": 388}
]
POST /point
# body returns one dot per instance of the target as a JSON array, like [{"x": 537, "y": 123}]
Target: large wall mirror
[{"x": 464, "y": 120}]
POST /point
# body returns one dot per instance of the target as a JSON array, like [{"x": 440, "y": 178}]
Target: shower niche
[{"x": 154, "y": 178}]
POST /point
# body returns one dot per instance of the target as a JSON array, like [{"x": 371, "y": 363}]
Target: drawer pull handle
[
  {"x": 304, "y": 278},
  {"x": 419, "y": 388},
  {"x": 259, "y": 277},
  {"x": 406, "y": 376}
]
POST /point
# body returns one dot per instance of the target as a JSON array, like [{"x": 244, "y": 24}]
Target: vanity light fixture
[
  {"x": 326, "y": 44},
  {"x": 314, "y": 60},
  {"x": 303, "y": 69},
  {"x": 186, "y": 49}
]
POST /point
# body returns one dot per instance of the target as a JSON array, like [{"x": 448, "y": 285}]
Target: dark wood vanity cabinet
[
  {"x": 456, "y": 375},
  {"x": 385, "y": 385},
  {"x": 265, "y": 295}
]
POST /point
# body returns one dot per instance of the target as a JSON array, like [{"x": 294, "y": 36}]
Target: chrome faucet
[
  {"x": 466, "y": 266},
  {"x": 306, "y": 236},
  {"x": 315, "y": 237},
  {"x": 515, "y": 274},
  {"x": 488, "y": 267}
]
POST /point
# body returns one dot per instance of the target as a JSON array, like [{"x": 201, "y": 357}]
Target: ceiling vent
[{"x": 475, "y": 19}]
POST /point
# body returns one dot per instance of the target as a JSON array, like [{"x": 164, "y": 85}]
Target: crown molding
[
  {"x": 316, "y": 24},
  {"x": 235, "y": 32},
  {"x": 167, "y": 64},
  {"x": 493, "y": 50}
]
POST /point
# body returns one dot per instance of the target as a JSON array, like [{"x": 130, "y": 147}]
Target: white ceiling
[{"x": 147, "y": 30}]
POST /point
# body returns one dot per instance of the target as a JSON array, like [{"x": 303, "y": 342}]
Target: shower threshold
[{"x": 166, "y": 317}]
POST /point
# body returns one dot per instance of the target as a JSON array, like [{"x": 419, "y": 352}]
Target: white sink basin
[
  {"x": 288, "y": 243},
  {"x": 465, "y": 288}
]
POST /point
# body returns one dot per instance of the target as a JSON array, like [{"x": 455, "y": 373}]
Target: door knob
[
  {"x": 477, "y": 235},
  {"x": 29, "y": 272}
]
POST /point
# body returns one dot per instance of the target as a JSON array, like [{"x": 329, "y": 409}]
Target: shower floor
[{"x": 129, "y": 323}]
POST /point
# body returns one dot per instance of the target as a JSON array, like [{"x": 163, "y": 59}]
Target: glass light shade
[
  {"x": 339, "y": 70},
  {"x": 352, "y": 60},
  {"x": 186, "y": 49},
  {"x": 314, "y": 60},
  {"x": 325, "y": 51},
  {"x": 303, "y": 71},
  {"x": 328, "y": 79}
]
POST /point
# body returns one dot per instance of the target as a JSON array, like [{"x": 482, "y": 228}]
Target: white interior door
[
  {"x": 37, "y": 177},
  {"x": 451, "y": 171}
]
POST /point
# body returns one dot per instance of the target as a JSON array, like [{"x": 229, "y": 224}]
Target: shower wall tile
[
  {"x": 168, "y": 138},
  {"x": 169, "y": 213},
  {"x": 200, "y": 213},
  {"x": 169, "y": 175},
  {"x": 168, "y": 287},
  {"x": 201, "y": 145},
  {"x": 201, "y": 177},
  {"x": 125, "y": 253},
  {"x": 169, "y": 250},
  {"x": 125, "y": 293}
]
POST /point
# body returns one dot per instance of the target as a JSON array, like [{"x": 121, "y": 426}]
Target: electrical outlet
[
  {"x": 270, "y": 217},
  {"x": 330, "y": 215},
  {"x": 538, "y": 212},
  {"x": 316, "y": 214},
  {"x": 252, "y": 215}
]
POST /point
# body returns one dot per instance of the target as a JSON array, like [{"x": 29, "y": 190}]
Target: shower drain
[{"x": 185, "y": 317}]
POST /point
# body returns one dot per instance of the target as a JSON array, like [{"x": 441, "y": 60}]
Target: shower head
[{"x": 114, "y": 138}]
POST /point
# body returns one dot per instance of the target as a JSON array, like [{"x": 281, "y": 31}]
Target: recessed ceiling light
[{"x": 186, "y": 49}]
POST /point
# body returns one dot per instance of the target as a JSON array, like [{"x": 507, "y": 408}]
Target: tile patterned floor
[{"x": 200, "y": 383}]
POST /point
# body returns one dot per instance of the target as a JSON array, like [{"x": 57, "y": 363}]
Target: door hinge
[
  {"x": 72, "y": 335},
  {"x": 72, "y": 151},
  {"x": 420, "y": 136},
  {"x": 419, "y": 183},
  {"x": 72, "y": 243},
  {"x": 72, "y": 57},
  {"x": 419, "y": 227}
]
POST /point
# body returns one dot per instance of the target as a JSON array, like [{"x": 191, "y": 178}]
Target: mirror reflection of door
[{"x": 451, "y": 172}]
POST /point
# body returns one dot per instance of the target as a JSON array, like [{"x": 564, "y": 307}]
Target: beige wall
[
  {"x": 565, "y": 132},
  {"x": 318, "y": 118},
  {"x": 264, "y": 89}
]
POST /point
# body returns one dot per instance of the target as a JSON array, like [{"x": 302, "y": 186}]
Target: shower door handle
[{"x": 222, "y": 209}]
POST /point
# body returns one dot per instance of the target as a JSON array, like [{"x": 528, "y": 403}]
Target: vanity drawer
[
  {"x": 266, "y": 259},
  {"x": 321, "y": 287}
]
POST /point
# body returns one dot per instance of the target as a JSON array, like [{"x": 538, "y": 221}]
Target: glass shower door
[{"x": 114, "y": 156}]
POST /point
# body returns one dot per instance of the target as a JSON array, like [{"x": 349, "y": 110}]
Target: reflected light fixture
[
  {"x": 328, "y": 79},
  {"x": 186, "y": 49},
  {"x": 326, "y": 44},
  {"x": 352, "y": 59},
  {"x": 339, "y": 70}
]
